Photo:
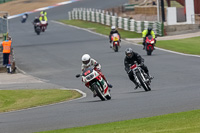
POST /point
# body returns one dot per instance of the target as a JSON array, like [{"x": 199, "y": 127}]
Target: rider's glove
[
  {"x": 142, "y": 63},
  {"x": 129, "y": 71}
]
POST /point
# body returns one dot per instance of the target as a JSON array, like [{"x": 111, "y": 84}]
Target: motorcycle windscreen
[{"x": 87, "y": 71}]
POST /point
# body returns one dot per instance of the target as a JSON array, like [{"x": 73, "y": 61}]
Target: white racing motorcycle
[
  {"x": 141, "y": 77},
  {"x": 96, "y": 83}
]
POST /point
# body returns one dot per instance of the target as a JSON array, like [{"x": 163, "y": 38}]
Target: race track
[{"x": 56, "y": 57}]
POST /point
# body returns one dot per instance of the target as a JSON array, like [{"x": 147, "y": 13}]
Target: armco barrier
[{"x": 106, "y": 18}]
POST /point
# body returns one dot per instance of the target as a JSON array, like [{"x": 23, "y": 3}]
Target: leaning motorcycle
[
  {"x": 141, "y": 77},
  {"x": 96, "y": 83},
  {"x": 43, "y": 25},
  {"x": 149, "y": 44},
  {"x": 116, "y": 43}
]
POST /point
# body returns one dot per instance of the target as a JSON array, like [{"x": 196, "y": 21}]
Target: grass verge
[
  {"x": 99, "y": 28},
  {"x": 187, "y": 46},
  {"x": 184, "y": 122},
  {"x": 11, "y": 100}
]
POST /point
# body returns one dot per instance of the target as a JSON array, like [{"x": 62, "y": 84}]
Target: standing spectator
[
  {"x": 153, "y": 2},
  {"x": 6, "y": 50}
]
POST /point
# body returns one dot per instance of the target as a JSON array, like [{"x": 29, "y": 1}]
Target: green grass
[
  {"x": 99, "y": 28},
  {"x": 184, "y": 122},
  {"x": 187, "y": 46},
  {"x": 4, "y": 1},
  {"x": 11, "y": 100}
]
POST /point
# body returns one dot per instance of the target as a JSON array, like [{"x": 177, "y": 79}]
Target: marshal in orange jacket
[{"x": 6, "y": 46}]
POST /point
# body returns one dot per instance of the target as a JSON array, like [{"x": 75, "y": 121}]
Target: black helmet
[
  {"x": 129, "y": 52},
  {"x": 149, "y": 29}
]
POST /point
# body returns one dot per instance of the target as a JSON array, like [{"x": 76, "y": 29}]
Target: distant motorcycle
[
  {"x": 37, "y": 27},
  {"x": 141, "y": 77},
  {"x": 149, "y": 44},
  {"x": 97, "y": 84},
  {"x": 24, "y": 18},
  {"x": 43, "y": 25},
  {"x": 116, "y": 42}
]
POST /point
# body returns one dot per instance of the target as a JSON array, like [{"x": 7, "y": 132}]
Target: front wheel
[
  {"x": 98, "y": 91},
  {"x": 144, "y": 85},
  {"x": 149, "y": 51}
]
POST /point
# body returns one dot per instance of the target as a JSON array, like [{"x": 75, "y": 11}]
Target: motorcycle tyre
[
  {"x": 144, "y": 85},
  {"x": 116, "y": 48},
  {"x": 149, "y": 51},
  {"x": 98, "y": 92},
  {"x": 38, "y": 33}
]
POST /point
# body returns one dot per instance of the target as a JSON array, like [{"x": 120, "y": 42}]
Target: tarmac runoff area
[{"x": 23, "y": 81}]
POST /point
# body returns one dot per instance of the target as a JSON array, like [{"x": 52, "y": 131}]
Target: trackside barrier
[{"x": 106, "y": 18}]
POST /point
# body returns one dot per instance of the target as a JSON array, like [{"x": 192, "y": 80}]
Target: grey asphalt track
[{"x": 56, "y": 57}]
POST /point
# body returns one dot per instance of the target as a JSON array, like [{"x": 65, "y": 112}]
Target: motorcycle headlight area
[
  {"x": 152, "y": 42},
  {"x": 90, "y": 76}
]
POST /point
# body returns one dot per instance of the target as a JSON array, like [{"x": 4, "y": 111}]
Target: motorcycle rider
[
  {"x": 24, "y": 18},
  {"x": 113, "y": 30},
  {"x": 129, "y": 60},
  {"x": 43, "y": 18},
  {"x": 43, "y": 12},
  {"x": 87, "y": 61},
  {"x": 147, "y": 32},
  {"x": 36, "y": 20}
]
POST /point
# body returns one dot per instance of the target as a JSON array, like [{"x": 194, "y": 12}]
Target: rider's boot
[
  {"x": 136, "y": 84},
  {"x": 111, "y": 45},
  {"x": 109, "y": 85},
  {"x": 94, "y": 94},
  {"x": 149, "y": 76}
]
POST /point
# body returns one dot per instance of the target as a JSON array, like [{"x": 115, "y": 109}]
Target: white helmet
[
  {"x": 86, "y": 59},
  {"x": 113, "y": 28}
]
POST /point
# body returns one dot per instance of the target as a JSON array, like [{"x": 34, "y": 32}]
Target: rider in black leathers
[
  {"x": 129, "y": 60},
  {"x": 36, "y": 20}
]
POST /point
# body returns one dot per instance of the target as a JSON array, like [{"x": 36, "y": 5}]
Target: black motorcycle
[
  {"x": 37, "y": 27},
  {"x": 141, "y": 77},
  {"x": 24, "y": 18}
]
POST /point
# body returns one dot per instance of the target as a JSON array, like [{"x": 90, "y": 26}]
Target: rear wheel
[
  {"x": 144, "y": 85},
  {"x": 98, "y": 91},
  {"x": 116, "y": 48},
  {"x": 38, "y": 33}
]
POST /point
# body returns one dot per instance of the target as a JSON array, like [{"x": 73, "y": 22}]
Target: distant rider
[
  {"x": 113, "y": 31},
  {"x": 147, "y": 32},
  {"x": 43, "y": 12},
  {"x": 87, "y": 61},
  {"x": 43, "y": 18},
  {"x": 36, "y": 20},
  {"x": 129, "y": 60}
]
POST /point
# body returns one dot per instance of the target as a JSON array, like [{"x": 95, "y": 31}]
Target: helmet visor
[
  {"x": 129, "y": 55},
  {"x": 86, "y": 62}
]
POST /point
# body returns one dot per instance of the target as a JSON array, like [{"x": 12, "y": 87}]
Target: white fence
[{"x": 102, "y": 17}]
